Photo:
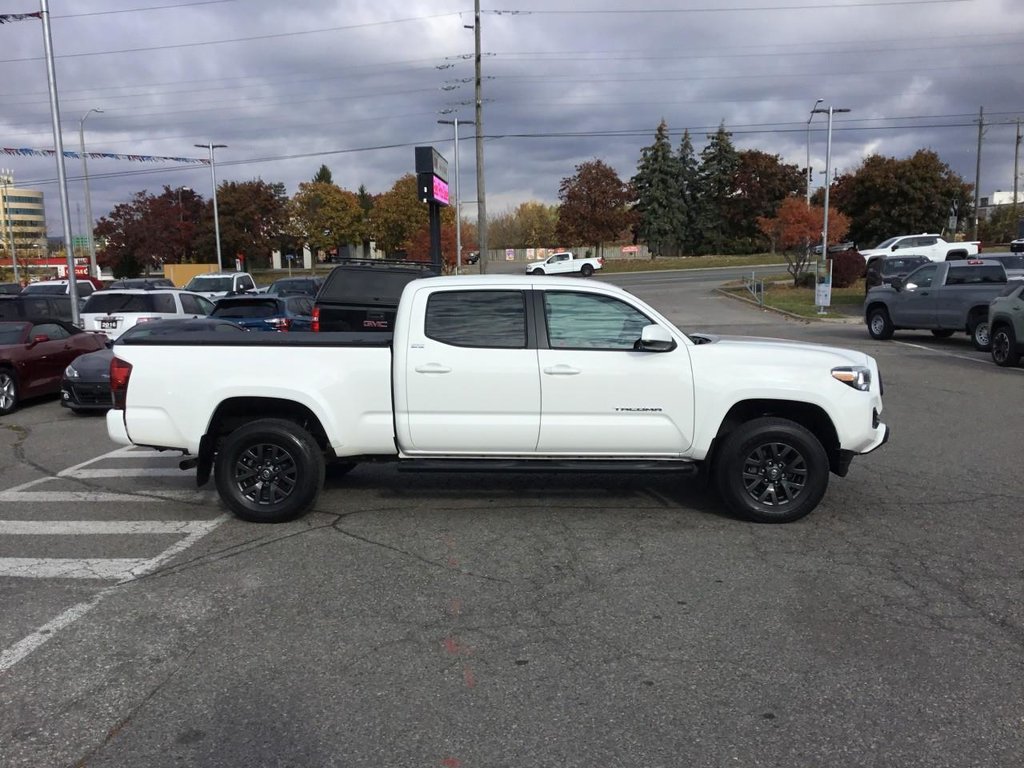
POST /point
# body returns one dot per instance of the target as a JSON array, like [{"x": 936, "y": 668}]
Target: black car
[
  {"x": 10, "y": 289},
  {"x": 882, "y": 269},
  {"x": 267, "y": 312},
  {"x": 85, "y": 385},
  {"x": 24, "y": 307},
  {"x": 292, "y": 286}
]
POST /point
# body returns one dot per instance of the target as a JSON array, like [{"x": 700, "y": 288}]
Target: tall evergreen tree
[
  {"x": 323, "y": 176},
  {"x": 687, "y": 186},
  {"x": 719, "y": 162},
  {"x": 659, "y": 220}
]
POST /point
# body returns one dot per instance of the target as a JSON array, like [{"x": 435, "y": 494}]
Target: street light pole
[
  {"x": 458, "y": 195},
  {"x": 88, "y": 199},
  {"x": 828, "y": 169},
  {"x": 808, "y": 166},
  {"x": 216, "y": 219}
]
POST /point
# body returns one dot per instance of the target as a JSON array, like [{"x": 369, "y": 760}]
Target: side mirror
[
  {"x": 897, "y": 283},
  {"x": 654, "y": 338},
  {"x": 895, "y": 247}
]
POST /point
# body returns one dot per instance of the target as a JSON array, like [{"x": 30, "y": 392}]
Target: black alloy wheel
[
  {"x": 586, "y": 270},
  {"x": 1004, "y": 347},
  {"x": 269, "y": 471},
  {"x": 772, "y": 470}
]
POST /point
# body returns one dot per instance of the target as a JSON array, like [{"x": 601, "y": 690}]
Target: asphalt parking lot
[{"x": 508, "y": 620}]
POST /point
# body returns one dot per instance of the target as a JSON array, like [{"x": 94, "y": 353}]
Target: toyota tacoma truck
[
  {"x": 943, "y": 298},
  {"x": 501, "y": 373},
  {"x": 565, "y": 263},
  {"x": 932, "y": 246}
]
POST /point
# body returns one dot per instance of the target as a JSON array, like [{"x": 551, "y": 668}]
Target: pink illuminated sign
[{"x": 440, "y": 191}]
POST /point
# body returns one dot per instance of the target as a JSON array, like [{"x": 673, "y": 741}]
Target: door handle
[
  {"x": 562, "y": 370},
  {"x": 433, "y": 368}
]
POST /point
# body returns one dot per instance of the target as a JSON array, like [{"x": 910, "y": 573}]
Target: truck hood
[{"x": 780, "y": 351}]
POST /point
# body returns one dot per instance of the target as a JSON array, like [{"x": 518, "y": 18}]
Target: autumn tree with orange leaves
[{"x": 797, "y": 227}]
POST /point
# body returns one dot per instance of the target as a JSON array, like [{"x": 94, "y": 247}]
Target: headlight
[
  {"x": 857, "y": 376},
  {"x": 70, "y": 372}
]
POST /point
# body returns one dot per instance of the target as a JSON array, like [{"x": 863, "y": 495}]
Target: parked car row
[{"x": 980, "y": 297}]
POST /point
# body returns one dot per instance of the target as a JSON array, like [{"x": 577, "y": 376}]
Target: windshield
[
  {"x": 212, "y": 284},
  {"x": 129, "y": 302},
  {"x": 250, "y": 308},
  {"x": 12, "y": 333},
  {"x": 46, "y": 289}
]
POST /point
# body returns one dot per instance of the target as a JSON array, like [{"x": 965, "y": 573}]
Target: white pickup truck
[
  {"x": 932, "y": 246},
  {"x": 501, "y": 373},
  {"x": 564, "y": 263}
]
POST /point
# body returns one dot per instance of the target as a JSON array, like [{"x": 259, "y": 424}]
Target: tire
[
  {"x": 942, "y": 333},
  {"x": 586, "y": 270},
  {"x": 1004, "y": 347},
  {"x": 879, "y": 325},
  {"x": 269, "y": 471},
  {"x": 537, "y": 272},
  {"x": 771, "y": 470},
  {"x": 979, "y": 334},
  {"x": 8, "y": 391}
]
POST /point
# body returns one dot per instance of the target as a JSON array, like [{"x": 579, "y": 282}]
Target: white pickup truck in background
[
  {"x": 564, "y": 263},
  {"x": 500, "y": 373},
  {"x": 932, "y": 246}
]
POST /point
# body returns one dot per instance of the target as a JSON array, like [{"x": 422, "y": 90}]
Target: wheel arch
[
  {"x": 238, "y": 411},
  {"x": 876, "y": 305},
  {"x": 810, "y": 416},
  {"x": 975, "y": 314}
]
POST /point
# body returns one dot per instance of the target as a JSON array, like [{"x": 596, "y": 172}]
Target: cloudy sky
[{"x": 356, "y": 84}]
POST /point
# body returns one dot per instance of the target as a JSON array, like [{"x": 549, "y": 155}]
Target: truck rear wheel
[
  {"x": 979, "y": 333},
  {"x": 269, "y": 471},
  {"x": 586, "y": 270},
  {"x": 771, "y": 470},
  {"x": 879, "y": 325}
]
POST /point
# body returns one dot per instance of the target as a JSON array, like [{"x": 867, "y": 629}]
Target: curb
[{"x": 785, "y": 313}]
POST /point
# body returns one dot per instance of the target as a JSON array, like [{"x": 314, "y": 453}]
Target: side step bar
[{"x": 546, "y": 465}]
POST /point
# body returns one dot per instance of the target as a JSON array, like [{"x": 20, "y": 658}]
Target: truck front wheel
[
  {"x": 771, "y": 470},
  {"x": 269, "y": 471},
  {"x": 879, "y": 325}
]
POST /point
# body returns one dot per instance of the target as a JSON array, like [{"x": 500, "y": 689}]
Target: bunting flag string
[
  {"x": 29, "y": 152},
  {"x": 7, "y": 18}
]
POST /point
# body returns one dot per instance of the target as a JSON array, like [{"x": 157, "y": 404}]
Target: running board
[{"x": 546, "y": 465}]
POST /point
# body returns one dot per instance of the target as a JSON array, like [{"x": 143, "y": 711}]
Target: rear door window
[{"x": 493, "y": 319}]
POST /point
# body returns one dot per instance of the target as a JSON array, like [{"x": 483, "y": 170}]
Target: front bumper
[{"x": 85, "y": 395}]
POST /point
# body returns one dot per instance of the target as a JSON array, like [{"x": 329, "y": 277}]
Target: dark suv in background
[{"x": 363, "y": 295}]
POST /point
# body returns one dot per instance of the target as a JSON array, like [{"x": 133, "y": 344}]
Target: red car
[{"x": 34, "y": 354}]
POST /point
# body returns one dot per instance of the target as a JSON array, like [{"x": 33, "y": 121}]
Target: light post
[
  {"x": 88, "y": 199},
  {"x": 808, "y": 166},
  {"x": 458, "y": 194},
  {"x": 216, "y": 219},
  {"x": 828, "y": 169}
]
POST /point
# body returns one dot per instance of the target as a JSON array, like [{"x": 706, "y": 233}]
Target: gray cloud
[{"x": 355, "y": 85}]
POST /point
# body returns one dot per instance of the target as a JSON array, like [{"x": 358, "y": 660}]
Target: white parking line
[
  {"x": 102, "y": 568},
  {"x": 99, "y": 527},
  {"x": 84, "y": 474},
  {"x": 80, "y": 497}
]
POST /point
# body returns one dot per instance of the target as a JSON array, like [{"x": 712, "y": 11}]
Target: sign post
[{"x": 432, "y": 184}]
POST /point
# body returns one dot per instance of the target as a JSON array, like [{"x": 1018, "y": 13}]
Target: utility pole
[
  {"x": 481, "y": 204},
  {"x": 977, "y": 171},
  {"x": 1016, "y": 165}
]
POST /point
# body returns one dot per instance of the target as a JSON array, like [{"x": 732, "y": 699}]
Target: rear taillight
[
  {"x": 600, "y": 260},
  {"x": 120, "y": 372},
  {"x": 279, "y": 323},
  {"x": 315, "y": 325}
]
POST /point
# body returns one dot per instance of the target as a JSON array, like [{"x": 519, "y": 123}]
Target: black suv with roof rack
[{"x": 362, "y": 294}]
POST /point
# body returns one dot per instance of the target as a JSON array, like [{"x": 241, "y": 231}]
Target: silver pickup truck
[{"x": 942, "y": 297}]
